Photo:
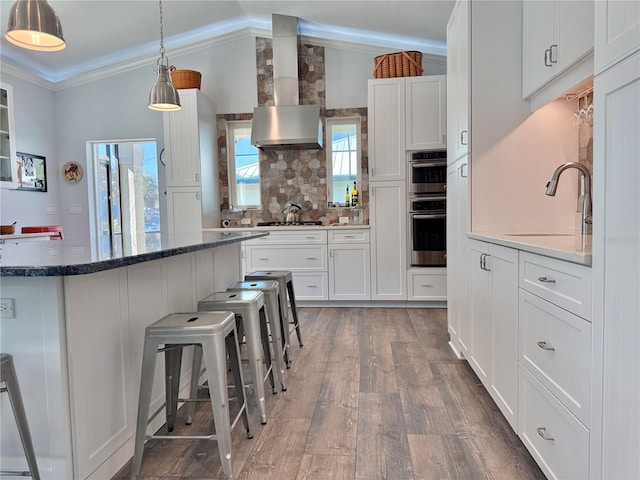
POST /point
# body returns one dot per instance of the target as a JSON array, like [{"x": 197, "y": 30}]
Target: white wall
[
  {"x": 35, "y": 134},
  {"x": 514, "y": 153}
]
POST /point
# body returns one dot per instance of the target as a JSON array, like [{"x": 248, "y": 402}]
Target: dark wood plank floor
[{"x": 373, "y": 394}]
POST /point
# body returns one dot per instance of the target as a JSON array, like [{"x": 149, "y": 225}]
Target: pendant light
[
  {"x": 34, "y": 25},
  {"x": 163, "y": 96}
]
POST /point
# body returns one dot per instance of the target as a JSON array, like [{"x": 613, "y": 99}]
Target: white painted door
[
  {"x": 617, "y": 31},
  {"x": 426, "y": 112},
  {"x": 349, "y": 272},
  {"x": 386, "y": 107},
  {"x": 537, "y": 38},
  {"x": 184, "y": 216},
  {"x": 182, "y": 142},
  {"x": 388, "y": 217},
  {"x": 480, "y": 310}
]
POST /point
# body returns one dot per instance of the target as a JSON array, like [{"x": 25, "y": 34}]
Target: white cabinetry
[
  {"x": 191, "y": 168},
  {"x": 458, "y": 256},
  {"x": 493, "y": 296},
  {"x": 555, "y": 36},
  {"x": 458, "y": 137},
  {"x": 555, "y": 364},
  {"x": 388, "y": 207},
  {"x": 426, "y": 112},
  {"x": 8, "y": 160},
  {"x": 616, "y": 268},
  {"x": 617, "y": 32},
  {"x": 386, "y": 134},
  {"x": 427, "y": 284},
  {"x": 302, "y": 252},
  {"x": 349, "y": 265}
]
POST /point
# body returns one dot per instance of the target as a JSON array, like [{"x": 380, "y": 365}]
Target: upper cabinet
[
  {"x": 426, "y": 112},
  {"x": 8, "y": 162},
  {"x": 617, "y": 32},
  {"x": 556, "y": 35},
  {"x": 406, "y": 113},
  {"x": 458, "y": 137}
]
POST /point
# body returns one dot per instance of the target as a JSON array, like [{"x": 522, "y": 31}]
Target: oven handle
[
  {"x": 427, "y": 217},
  {"x": 426, "y": 165}
]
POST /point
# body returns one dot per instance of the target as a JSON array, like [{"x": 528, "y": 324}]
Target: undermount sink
[{"x": 540, "y": 234}]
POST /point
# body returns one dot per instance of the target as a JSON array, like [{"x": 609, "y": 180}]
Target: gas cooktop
[{"x": 289, "y": 224}]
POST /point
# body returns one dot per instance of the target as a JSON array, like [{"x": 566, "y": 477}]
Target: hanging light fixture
[
  {"x": 163, "y": 96},
  {"x": 34, "y": 25}
]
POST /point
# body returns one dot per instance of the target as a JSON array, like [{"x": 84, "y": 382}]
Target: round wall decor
[{"x": 72, "y": 172}]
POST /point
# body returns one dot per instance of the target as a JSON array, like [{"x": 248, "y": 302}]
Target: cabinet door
[
  {"x": 458, "y": 256},
  {"x": 458, "y": 137},
  {"x": 349, "y": 272},
  {"x": 386, "y": 101},
  {"x": 574, "y": 32},
  {"x": 537, "y": 38},
  {"x": 182, "y": 142},
  {"x": 426, "y": 112},
  {"x": 504, "y": 316},
  {"x": 388, "y": 203},
  {"x": 8, "y": 160},
  {"x": 617, "y": 31},
  {"x": 184, "y": 216},
  {"x": 616, "y": 269},
  {"x": 480, "y": 310}
]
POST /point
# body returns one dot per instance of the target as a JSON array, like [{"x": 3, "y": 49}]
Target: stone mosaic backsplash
[{"x": 298, "y": 176}]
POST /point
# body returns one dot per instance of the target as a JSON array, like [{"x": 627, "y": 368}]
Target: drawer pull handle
[
  {"x": 546, "y": 279},
  {"x": 348, "y": 236},
  {"x": 263, "y": 258},
  {"x": 542, "y": 431},
  {"x": 426, "y": 285},
  {"x": 545, "y": 346},
  {"x": 311, "y": 258},
  {"x": 310, "y": 238},
  {"x": 312, "y": 286}
]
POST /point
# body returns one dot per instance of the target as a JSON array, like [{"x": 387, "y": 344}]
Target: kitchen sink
[{"x": 540, "y": 234}]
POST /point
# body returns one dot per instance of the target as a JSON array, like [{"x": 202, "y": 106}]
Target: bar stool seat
[
  {"x": 271, "y": 291},
  {"x": 213, "y": 331},
  {"x": 286, "y": 285},
  {"x": 249, "y": 307},
  {"x": 10, "y": 379}
]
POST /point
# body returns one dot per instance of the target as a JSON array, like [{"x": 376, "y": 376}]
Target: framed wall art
[
  {"x": 72, "y": 172},
  {"x": 32, "y": 172}
]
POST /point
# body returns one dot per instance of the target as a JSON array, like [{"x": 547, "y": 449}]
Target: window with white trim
[
  {"x": 343, "y": 158},
  {"x": 243, "y": 164}
]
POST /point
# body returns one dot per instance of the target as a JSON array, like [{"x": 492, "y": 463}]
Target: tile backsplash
[{"x": 298, "y": 176}]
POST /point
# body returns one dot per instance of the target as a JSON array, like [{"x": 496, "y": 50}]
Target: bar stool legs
[
  {"x": 9, "y": 378},
  {"x": 213, "y": 331}
]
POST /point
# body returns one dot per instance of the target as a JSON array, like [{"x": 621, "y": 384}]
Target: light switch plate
[
  {"x": 343, "y": 219},
  {"x": 7, "y": 308},
  {"x": 75, "y": 208},
  {"x": 51, "y": 209}
]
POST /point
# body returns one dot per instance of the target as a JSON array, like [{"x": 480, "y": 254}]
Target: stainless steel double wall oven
[{"x": 428, "y": 208}]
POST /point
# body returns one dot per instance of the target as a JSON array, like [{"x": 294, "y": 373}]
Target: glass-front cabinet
[{"x": 8, "y": 161}]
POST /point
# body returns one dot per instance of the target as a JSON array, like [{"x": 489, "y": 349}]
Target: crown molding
[{"x": 22, "y": 74}]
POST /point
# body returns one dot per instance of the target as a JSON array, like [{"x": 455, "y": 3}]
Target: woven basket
[
  {"x": 399, "y": 64},
  {"x": 185, "y": 78}
]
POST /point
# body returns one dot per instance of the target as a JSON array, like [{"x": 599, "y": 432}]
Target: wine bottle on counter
[
  {"x": 347, "y": 196},
  {"x": 354, "y": 195}
]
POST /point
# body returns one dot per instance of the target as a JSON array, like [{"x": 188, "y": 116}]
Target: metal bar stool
[
  {"x": 286, "y": 285},
  {"x": 10, "y": 379},
  {"x": 213, "y": 331},
  {"x": 249, "y": 308},
  {"x": 271, "y": 291}
]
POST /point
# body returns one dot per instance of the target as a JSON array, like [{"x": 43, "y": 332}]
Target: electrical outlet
[
  {"x": 7, "y": 308},
  {"x": 246, "y": 221},
  {"x": 343, "y": 219}
]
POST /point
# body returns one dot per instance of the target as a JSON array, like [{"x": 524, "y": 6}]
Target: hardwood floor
[{"x": 373, "y": 394}]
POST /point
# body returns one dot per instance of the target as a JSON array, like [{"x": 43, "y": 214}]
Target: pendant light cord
[{"x": 162, "y": 57}]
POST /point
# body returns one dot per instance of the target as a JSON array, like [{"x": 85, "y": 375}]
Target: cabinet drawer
[
  {"x": 541, "y": 414},
  {"x": 555, "y": 346},
  {"x": 349, "y": 236},
  {"x": 294, "y": 257},
  {"x": 310, "y": 286},
  {"x": 288, "y": 237},
  {"x": 565, "y": 284},
  {"x": 427, "y": 286}
]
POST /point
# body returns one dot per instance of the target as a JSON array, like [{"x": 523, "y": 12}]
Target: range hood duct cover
[{"x": 287, "y": 125}]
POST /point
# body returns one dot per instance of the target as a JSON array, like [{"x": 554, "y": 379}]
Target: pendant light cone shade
[
  {"x": 164, "y": 96},
  {"x": 34, "y": 25}
]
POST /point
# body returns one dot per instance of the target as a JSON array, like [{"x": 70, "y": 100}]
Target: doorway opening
[{"x": 126, "y": 198}]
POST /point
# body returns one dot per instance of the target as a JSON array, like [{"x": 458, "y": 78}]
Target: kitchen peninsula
[{"x": 76, "y": 335}]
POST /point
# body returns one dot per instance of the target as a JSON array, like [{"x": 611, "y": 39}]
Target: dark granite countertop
[{"x": 33, "y": 259}]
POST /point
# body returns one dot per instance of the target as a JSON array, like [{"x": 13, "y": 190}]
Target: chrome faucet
[{"x": 552, "y": 185}]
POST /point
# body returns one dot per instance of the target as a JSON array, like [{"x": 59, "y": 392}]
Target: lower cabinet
[
  {"x": 184, "y": 215},
  {"x": 349, "y": 265},
  {"x": 427, "y": 284},
  {"x": 493, "y": 296}
]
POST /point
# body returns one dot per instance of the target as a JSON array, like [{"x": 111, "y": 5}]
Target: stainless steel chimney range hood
[{"x": 286, "y": 125}]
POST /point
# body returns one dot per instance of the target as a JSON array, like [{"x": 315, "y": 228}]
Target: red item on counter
[{"x": 45, "y": 228}]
